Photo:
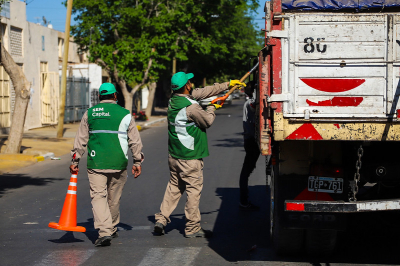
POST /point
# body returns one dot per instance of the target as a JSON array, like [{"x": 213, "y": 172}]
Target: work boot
[
  {"x": 159, "y": 229},
  {"x": 103, "y": 241},
  {"x": 200, "y": 233},
  {"x": 248, "y": 207},
  {"x": 115, "y": 235}
]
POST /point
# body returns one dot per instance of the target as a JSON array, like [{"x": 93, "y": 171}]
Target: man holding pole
[
  {"x": 251, "y": 148},
  {"x": 107, "y": 130},
  {"x": 187, "y": 146}
]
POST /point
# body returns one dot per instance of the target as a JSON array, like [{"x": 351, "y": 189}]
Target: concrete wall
[
  {"x": 94, "y": 74},
  {"x": 34, "y": 54},
  {"x": 41, "y": 44},
  {"x": 73, "y": 56},
  {"x": 91, "y": 71},
  {"x": 17, "y": 19}
]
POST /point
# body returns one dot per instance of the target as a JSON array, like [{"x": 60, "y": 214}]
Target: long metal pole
[{"x": 60, "y": 127}]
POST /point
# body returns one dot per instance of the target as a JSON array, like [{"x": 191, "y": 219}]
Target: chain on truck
[{"x": 328, "y": 116}]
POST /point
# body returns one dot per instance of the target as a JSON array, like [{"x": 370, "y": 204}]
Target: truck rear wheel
[
  {"x": 287, "y": 241},
  {"x": 320, "y": 242}
]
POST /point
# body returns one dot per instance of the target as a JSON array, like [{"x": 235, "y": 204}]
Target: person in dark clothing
[{"x": 252, "y": 151}]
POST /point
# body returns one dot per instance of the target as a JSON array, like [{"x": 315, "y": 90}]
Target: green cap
[
  {"x": 107, "y": 88},
  {"x": 180, "y": 79}
]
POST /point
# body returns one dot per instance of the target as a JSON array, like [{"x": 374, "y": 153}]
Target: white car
[
  {"x": 208, "y": 100},
  {"x": 235, "y": 94}
]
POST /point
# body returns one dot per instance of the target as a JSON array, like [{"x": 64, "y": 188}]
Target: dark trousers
[{"x": 250, "y": 160}]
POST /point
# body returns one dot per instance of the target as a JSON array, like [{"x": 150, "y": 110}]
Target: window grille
[{"x": 16, "y": 41}]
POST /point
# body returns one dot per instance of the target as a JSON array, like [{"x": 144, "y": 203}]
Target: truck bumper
[{"x": 342, "y": 207}]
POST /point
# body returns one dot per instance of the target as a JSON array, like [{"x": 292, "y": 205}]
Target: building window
[
  {"x": 60, "y": 47},
  {"x": 16, "y": 41},
  {"x": 42, "y": 43},
  {"x": 44, "y": 67}
]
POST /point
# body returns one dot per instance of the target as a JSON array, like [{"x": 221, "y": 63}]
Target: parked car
[
  {"x": 235, "y": 94},
  {"x": 207, "y": 101}
]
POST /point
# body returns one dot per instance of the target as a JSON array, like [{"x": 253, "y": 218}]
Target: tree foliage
[
  {"x": 135, "y": 40},
  {"x": 220, "y": 38}
]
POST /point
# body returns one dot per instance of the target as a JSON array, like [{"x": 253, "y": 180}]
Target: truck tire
[
  {"x": 287, "y": 241},
  {"x": 320, "y": 242}
]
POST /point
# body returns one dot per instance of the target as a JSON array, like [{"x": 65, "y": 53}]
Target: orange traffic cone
[{"x": 68, "y": 215}]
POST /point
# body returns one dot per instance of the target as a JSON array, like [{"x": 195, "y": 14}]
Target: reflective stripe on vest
[
  {"x": 179, "y": 125},
  {"x": 108, "y": 131}
]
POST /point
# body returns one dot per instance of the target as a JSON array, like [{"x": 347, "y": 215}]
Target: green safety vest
[
  {"x": 186, "y": 140},
  {"x": 108, "y": 137}
]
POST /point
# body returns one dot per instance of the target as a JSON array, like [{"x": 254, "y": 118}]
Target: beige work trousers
[
  {"x": 185, "y": 175},
  {"x": 105, "y": 191}
]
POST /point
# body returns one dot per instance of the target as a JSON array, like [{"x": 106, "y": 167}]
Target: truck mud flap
[{"x": 342, "y": 207}]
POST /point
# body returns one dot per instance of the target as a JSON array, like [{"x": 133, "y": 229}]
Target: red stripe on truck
[
  {"x": 338, "y": 101},
  {"x": 333, "y": 85},
  {"x": 305, "y": 132}
]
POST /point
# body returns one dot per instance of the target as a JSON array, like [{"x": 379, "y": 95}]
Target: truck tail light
[
  {"x": 326, "y": 170},
  {"x": 295, "y": 206}
]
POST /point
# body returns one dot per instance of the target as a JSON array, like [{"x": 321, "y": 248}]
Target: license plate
[{"x": 325, "y": 184}]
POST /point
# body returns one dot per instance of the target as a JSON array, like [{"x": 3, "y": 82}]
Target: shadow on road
[
  {"x": 12, "y": 181},
  {"x": 239, "y": 235},
  {"x": 371, "y": 238},
  {"x": 178, "y": 222},
  {"x": 91, "y": 233},
  {"x": 68, "y": 237},
  {"x": 229, "y": 143}
]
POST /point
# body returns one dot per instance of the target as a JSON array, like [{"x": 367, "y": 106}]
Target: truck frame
[{"x": 328, "y": 87}]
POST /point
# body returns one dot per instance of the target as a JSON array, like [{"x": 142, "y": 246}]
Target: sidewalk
[{"x": 41, "y": 144}]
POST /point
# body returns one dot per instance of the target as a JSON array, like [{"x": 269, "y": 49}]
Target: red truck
[{"x": 328, "y": 116}]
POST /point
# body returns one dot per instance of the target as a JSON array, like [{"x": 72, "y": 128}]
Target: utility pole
[
  {"x": 174, "y": 65},
  {"x": 60, "y": 127}
]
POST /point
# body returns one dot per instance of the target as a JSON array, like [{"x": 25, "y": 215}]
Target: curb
[
  {"x": 48, "y": 155},
  {"x": 39, "y": 158},
  {"x": 21, "y": 157},
  {"x": 155, "y": 121}
]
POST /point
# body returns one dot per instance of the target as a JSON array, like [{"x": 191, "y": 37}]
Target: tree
[
  {"x": 22, "y": 96},
  {"x": 126, "y": 40},
  {"x": 214, "y": 39},
  {"x": 220, "y": 40},
  {"x": 135, "y": 40}
]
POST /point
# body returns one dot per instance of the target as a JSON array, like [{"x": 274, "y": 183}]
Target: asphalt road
[{"x": 34, "y": 196}]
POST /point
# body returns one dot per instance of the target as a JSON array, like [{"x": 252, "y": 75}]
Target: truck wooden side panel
[
  {"x": 339, "y": 65},
  {"x": 337, "y": 77},
  {"x": 368, "y": 131}
]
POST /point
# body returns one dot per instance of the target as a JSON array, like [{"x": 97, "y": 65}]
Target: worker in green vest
[
  {"x": 187, "y": 146},
  {"x": 107, "y": 130}
]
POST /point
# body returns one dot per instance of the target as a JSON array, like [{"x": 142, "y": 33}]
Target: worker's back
[{"x": 108, "y": 145}]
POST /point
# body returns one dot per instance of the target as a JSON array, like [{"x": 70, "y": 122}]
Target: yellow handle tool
[{"x": 223, "y": 98}]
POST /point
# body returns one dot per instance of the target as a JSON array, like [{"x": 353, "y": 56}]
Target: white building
[{"x": 38, "y": 50}]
